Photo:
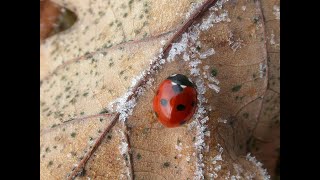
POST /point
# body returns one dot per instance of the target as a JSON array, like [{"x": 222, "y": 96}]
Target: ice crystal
[
  {"x": 214, "y": 87},
  {"x": 263, "y": 172},
  {"x": 178, "y": 48},
  {"x": 222, "y": 120},
  {"x": 207, "y": 53},
  {"x": 123, "y": 147},
  {"x": 262, "y": 70},
  {"x": 276, "y": 11}
]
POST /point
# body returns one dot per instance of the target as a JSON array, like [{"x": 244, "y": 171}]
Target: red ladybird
[{"x": 175, "y": 101}]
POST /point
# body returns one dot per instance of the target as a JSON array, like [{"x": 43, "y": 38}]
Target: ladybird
[{"x": 175, "y": 101}]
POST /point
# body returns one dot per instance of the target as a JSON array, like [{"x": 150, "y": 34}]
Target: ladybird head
[{"x": 181, "y": 80}]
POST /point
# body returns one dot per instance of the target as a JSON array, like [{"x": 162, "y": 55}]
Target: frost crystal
[
  {"x": 222, "y": 120},
  {"x": 238, "y": 169},
  {"x": 262, "y": 70},
  {"x": 263, "y": 172},
  {"x": 213, "y": 79},
  {"x": 250, "y": 176},
  {"x": 188, "y": 158},
  {"x": 178, "y": 48},
  {"x": 217, "y": 168},
  {"x": 186, "y": 57},
  {"x": 218, "y": 157},
  {"x": 194, "y": 6},
  {"x": 234, "y": 44},
  {"x": 214, "y": 87},
  {"x": 123, "y": 147},
  {"x": 220, "y": 3},
  {"x": 276, "y": 11},
  {"x": 272, "y": 42},
  {"x": 208, "y": 53},
  {"x": 213, "y": 19},
  {"x": 195, "y": 72},
  {"x": 243, "y": 8},
  {"x": 213, "y": 175},
  {"x": 179, "y": 147}
]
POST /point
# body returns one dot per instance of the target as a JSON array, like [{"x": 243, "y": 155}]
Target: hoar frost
[
  {"x": 272, "y": 41},
  {"x": 276, "y": 11},
  {"x": 222, "y": 120},
  {"x": 262, "y": 70},
  {"x": 178, "y": 48},
  {"x": 207, "y": 53},
  {"x": 234, "y": 44},
  {"x": 123, "y": 147},
  {"x": 263, "y": 172}
]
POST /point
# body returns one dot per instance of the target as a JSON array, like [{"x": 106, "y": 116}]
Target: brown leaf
[{"x": 88, "y": 67}]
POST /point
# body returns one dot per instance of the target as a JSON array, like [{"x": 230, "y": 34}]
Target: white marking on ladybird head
[
  {"x": 173, "y": 75},
  {"x": 173, "y": 83},
  {"x": 183, "y": 86}
]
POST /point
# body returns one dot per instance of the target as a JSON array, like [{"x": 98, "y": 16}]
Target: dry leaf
[{"x": 98, "y": 80}]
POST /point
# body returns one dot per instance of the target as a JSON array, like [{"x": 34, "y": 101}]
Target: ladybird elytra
[{"x": 175, "y": 101}]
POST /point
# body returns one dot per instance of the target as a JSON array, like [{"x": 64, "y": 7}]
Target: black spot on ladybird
[
  {"x": 181, "y": 107},
  {"x": 163, "y": 102},
  {"x": 177, "y": 89}
]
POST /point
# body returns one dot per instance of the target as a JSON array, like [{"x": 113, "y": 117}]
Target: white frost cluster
[
  {"x": 272, "y": 41},
  {"x": 207, "y": 53},
  {"x": 220, "y": 4},
  {"x": 214, "y": 82},
  {"x": 262, "y": 69},
  {"x": 179, "y": 147},
  {"x": 194, "y": 71},
  {"x": 238, "y": 169},
  {"x": 194, "y": 7},
  {"x": 199, "y": 117},
  {"x": 123, "y": 147},
  {"x": 213, "y": 175},
  {"x": 214, "y": 87},
  {"x": 234, "y": 44},
  {"x": 218, "y": 157},
  {"x": 263, "y": 172},
  {"x": 217, "y": 168},
  {"x": 188, "y": 158},
  {"x": 276, "y": 11},
  {"x": 214, "y": 19},
  {"x": 213, "y": 172},
  {"x": 178, "y": 48},
  {"x": 222, "y": 120}
]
